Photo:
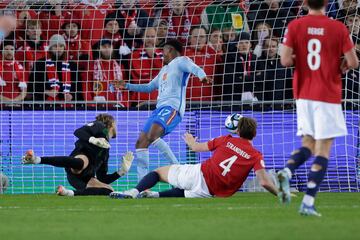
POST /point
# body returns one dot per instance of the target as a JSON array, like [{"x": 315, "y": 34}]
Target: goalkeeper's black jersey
[{"x": 98, "y": 157}]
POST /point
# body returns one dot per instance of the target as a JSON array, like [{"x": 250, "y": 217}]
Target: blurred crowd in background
[{"x": 65, "y": 50}]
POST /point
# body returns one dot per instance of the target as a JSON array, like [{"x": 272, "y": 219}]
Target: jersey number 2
[
  {"x": 229, "y": 162},
  {"x": 313, "y": 57}
]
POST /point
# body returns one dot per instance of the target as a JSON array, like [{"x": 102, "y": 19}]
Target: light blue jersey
[{"x": 171, "y": 83}]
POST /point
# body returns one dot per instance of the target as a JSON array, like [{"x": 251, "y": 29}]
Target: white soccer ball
[
  {"x": 232, "y": 121},
  {"x": 4, "y": 182}
]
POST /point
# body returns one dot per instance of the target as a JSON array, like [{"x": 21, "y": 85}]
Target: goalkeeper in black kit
[{"x": 87, "y": 165}]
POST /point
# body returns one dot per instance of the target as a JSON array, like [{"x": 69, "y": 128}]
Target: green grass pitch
[{"x": 244, "y": 216}]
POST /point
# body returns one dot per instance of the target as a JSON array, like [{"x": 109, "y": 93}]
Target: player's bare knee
[
  {"x": 86, "y": 163},
  {"x": 95, "y": 183},
  {"x": 309, "y": 142},
  {"x": 91, "y": 182},
  {"x": 152, "y": 137},
  {"x": 163, "y": 173}
]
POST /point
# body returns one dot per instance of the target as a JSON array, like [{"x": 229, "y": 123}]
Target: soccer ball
[
  {"x": 4, "y": 182},
  {"x": 232, "y": 121}
]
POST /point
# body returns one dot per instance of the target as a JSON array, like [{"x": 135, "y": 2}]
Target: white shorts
[
  {"x": 320, "y": 120},
  {"x": 190, "y": 178}
]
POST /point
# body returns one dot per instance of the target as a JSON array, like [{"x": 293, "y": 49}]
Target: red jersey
[
  {"x": 318, "y": 43},
  {"x": 230, "y": 164},
  {"x": 196, "y": 90},
  {"x": 143, "y": 69},
  {"x": 101, "y": 82},
  {"x": 92, "y": 20},
  {"x": 179, "y": 26},
  {"x": 50, "y": 23},
  {"x": 12, "y": 79}
]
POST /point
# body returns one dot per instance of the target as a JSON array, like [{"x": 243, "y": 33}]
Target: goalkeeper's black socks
[
  {"x": 175, "y": 192},
  {"x": 63, "y": 161},
  {"x": 298, "y": 158},
  {"x": 148, "y": 181},
  {"x": 92, "y": 191}
]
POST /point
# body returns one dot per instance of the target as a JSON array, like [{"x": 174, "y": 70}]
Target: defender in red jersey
[
  {"x": 321, "y": 49},
  {"x": 221, "y": 175}
]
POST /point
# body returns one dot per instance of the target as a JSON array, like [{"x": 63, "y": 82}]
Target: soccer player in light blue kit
[{"x": 171, "y": 83}]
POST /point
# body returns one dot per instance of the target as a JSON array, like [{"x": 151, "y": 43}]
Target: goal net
[{"x": 63, "y": 64}]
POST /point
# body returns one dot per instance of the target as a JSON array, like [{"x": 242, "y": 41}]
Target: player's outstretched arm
[
  {"x": 102, "y": 173},
  {"x": 265, "y": 181},
  {"x": 195, "y": 146},
  {"x": 187, "y": 65},
  {"x": 148, "y": 87}
]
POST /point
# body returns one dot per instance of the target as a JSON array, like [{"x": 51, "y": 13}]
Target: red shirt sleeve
[
  {"x": 290, "y": 36},
  {"x": 259, "y": 164},
  {"x": 347, "y": 40},
  {"x": 216, "y": 142}
]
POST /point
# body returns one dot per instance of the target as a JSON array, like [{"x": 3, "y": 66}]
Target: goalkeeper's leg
[
  {"x": 62, "y": 191},
  {"x": 77, "y": 163},
  {"x": 94, "y": 187}
]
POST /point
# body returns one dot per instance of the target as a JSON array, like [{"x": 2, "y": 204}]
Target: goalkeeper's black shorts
[{"x": 79, "y": 181}]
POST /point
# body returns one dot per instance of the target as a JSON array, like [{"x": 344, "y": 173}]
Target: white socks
[
  {"x": 165, "y": 149},
  {"x": 142, "y": 157}
]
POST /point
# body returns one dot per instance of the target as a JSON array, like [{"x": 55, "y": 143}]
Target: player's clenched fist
[
  {"x": 100, "y": 142},
  {"x": 127, "y": 160}
]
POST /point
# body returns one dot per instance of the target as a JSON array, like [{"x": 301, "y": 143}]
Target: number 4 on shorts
[{"x": 229, "y": 162}]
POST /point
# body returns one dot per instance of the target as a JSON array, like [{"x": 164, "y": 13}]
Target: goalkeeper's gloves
[
  {"x": 100, "y": 142},
  {"x": 127, "y": 160}
]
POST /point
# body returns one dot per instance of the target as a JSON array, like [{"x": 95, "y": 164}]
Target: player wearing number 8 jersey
[
  {"x": 221, "y": 175},
  {"x": 316, "y": 45}
]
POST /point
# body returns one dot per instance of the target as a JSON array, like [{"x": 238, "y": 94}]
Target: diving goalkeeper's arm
[{"x": 102, "y": 175}]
